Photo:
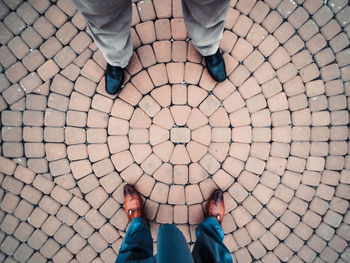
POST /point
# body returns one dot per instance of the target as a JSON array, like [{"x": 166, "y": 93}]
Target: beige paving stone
[
  {"x": 202, "y": 135},
  {"x": 164, "y": 119},
  {"x": 164, "y": 150},
  {"x": 158, "y": 134},
  {"x": 180, "y": 135},
  {"x": 196, "y": 119},
  {"x": 180, "y": 155},
  {"x": 164, "y": 173},
  {"x": 180, "y": 114}
]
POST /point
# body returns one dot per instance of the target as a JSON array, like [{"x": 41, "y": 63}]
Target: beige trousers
[{"x": 109, "y": 23}]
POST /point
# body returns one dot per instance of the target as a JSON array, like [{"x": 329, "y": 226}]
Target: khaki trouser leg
[
  {"x": 109, "y": 22},
  {"x": 205, "y": 21}
]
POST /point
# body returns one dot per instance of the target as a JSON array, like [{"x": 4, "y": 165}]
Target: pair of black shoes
[{"x": 115, "y": 75}]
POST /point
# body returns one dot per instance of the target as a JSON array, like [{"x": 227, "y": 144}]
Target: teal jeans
[{"x": 172, "y": 247}]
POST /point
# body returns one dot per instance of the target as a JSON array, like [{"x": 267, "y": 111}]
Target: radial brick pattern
[{"x": 274, "y": 136}]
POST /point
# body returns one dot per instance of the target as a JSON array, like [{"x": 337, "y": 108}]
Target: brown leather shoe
[
  {"x": 215, "y": 206},
  {"x": 132, "y": 202}
]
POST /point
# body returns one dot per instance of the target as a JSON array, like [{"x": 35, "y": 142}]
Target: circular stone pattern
[{"x": 273, "y": 136}]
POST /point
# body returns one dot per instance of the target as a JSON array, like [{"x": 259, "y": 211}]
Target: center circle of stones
[{"x": 177, "y": 135}]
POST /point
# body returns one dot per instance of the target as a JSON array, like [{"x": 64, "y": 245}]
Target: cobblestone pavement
[{"x": 274, "y": 136}]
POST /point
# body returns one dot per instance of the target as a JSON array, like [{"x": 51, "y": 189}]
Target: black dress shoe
[
  {"x": 114, "y": 77},
  {"x": 216, "y": 66}
]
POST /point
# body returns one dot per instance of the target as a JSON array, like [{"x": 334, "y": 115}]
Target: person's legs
[
  {"x": 209, "y": 246},
  {"x": 205, "y": 21},
  {"x": 109, "y": 23},
  {"x": 137, "y": 244},
  {"x": 172, "y": 246}
]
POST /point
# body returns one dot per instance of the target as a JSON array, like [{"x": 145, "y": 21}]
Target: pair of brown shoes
[{"x": 133, "y": 204}]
